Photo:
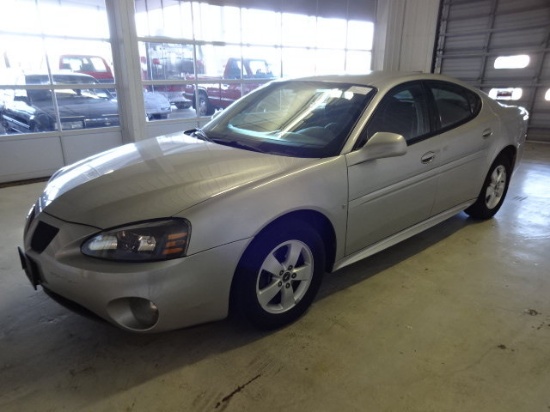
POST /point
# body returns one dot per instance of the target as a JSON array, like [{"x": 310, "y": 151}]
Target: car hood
[
  {"x": 81, "y": 107},
  {"x": 155, "y": 178},
  {"x": 155, "y": 100}
]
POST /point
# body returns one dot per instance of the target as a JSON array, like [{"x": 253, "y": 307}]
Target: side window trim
[{"x": 425, "y": 107}]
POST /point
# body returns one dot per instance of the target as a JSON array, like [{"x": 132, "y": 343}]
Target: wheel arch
[
  {"x": 196, "y": 93},
  {"x": 317, "y": 221},
  {"x": 510, "y": 152},
  {"x": 314, "y": 219}
]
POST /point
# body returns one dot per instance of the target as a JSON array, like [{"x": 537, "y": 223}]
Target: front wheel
[
  {"x": 493, "y": 191},
  {"x": 279, "y": 275}
]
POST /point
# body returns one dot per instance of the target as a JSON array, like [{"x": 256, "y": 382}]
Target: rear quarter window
[{"x": 455, "y": 105}]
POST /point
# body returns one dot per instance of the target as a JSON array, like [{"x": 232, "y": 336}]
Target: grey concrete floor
[{"x": 454, "y": 319}]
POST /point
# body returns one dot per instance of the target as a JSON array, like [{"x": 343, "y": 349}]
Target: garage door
[{"x": 501, "y": 47}]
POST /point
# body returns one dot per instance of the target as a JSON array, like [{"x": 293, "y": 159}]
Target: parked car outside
[
  {"x": 218, "y": 93},
  {"x": 81, "y": 105},
  {"x": 34, "y": 110},
  {"x": 157, "y": 105},
  {"x": 298, "y": 178},
  {"x": 95, "y": 66}
]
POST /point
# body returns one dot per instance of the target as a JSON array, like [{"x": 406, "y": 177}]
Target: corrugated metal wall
[{"x": 474, "y": 33}]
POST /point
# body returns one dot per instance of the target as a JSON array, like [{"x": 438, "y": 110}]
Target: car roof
[
  {"x": 41, "y": 78},
  {"x": 383, "y": 79}
]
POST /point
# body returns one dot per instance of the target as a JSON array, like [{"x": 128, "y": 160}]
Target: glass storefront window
[
  {"x": 360, "y": 35},
  {"x": 166, "y": 61},
  {"x": 261, "y": 27},
  {"x": 298, "y": 62},
  {"x": 222, "y": 52},
  {"x": 170, "y": 18},
  {"x": 298, "y": 30},
  {"x": 358, "y": 62},
  {"x": 331, "y": 33},
  {"x": 77, "y": 101},
  {"x": 53, "y": 65}
]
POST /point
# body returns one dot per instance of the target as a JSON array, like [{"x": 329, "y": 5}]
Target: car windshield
[{"x": 292, "y": 118}]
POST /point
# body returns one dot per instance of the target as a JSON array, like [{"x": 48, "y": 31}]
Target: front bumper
[{"x": 141, "y": 297}]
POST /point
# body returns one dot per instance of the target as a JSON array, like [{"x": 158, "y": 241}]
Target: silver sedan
[{"x": 299, "y": 178}]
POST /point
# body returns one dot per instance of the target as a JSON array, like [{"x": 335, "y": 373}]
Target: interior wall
[{"x": 404, "y": 35}]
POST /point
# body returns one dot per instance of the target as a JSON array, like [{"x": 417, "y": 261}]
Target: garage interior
[{"x": 456, "y": 318}]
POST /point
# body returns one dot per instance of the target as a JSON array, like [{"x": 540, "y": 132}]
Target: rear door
[{"x": 466, "y": 131}]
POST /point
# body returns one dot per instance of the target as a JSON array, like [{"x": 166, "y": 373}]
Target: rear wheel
[
  {"x": 279, "y": 275},
  {"x": 493, "y": 191}
]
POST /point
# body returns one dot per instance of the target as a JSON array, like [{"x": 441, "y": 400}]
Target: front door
[{"x": 389, "y": 195}]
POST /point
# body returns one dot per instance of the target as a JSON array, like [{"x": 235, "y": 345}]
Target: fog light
[
  {"x": 134, "y": 313},
  {"x": 145, "y": 311}
]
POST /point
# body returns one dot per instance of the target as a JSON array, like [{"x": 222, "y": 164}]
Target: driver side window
[{"x": 403, "y": 111}]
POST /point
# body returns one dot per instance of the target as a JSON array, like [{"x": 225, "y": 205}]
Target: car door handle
[
  {"x": 427, "y": 158},
  {"x": 487, "y": 133}
]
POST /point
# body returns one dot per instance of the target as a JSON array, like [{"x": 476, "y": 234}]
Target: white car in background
[{"x": 298, "y": 178}]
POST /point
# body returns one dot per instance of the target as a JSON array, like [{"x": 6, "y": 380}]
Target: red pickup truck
[
  {"x": 214, "y": 93},
  {"x": 94, "y": 66}
]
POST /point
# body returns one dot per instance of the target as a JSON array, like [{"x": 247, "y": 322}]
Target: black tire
[
  {"x": 36, "y": 128},
  {"x": 494, "y": 190},
  {"x": 204, "y": 107},
  {"x": 290, "y": 291}
]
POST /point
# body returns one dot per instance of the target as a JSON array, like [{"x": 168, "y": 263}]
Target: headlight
[
  {"x": 144, "y": 242},
  {"x": 72, "y": 125}
]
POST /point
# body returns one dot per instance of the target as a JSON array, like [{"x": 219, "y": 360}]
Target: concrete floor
[{"x": 455, "y": 319}]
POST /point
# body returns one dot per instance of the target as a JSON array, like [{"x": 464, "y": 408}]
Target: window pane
[
  {"x": 453, "y": 105},
  {"x": 358, "y": 62},
  {"x": 75, "y": 50},
  {"x": 216, "y": 23},
  {"x": 298, "y": 30},
  {"x": 168, "y": 61},
  {"x": 239, "y": 48},
  {"x": 12, "y": 21},
  {"x": 298, "y": 62},
  {"x": 360, "y": 35},
  {"x": 261, "y": 27},
  {"x": 93, "y": 58},
  {"x": 17, "y": 59},
  {"x": 403, "y": 111},
  {"x": 331, "y": 33},
  {"x": 169, "y": 18},
  {"x": 84, "y": 21},
  {"x": 267, "y": 61},
  {"x": 82, "y": 102},
  {"x": 330, "y": 61}
]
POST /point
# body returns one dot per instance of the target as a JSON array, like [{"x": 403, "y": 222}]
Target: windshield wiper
[
  {"x": 238, "y": 144},
  {"x": 199, "y": 134}
]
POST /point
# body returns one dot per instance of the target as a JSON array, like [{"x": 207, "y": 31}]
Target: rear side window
[{"x": 455, "y": 104}]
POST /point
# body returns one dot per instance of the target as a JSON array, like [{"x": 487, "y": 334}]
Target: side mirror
[{"x": 379, "y": 146}]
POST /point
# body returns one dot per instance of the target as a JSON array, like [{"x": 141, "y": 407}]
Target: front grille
[
  {"x": 42, "y": 236},
  {"x": 102, "y": 122}
]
